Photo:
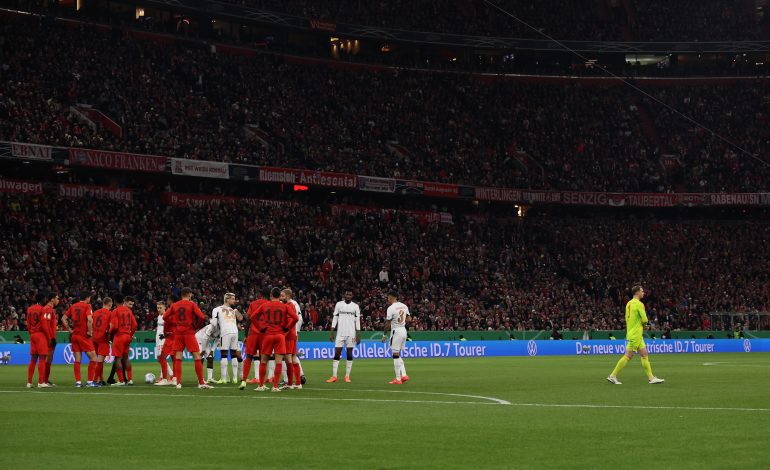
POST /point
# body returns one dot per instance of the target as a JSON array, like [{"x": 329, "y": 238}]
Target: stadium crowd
[
  {"x": 183, "y": 101},
  {"x": 505, "y": 273},
  {"x": 588, "y": 20}
]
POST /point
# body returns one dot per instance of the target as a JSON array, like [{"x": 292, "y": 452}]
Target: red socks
[
  {"x": 77, "y": 371},
  {"x": 163, "y": 367},
  {"x": 297, "y": 375},
  {"x": 277, "y": 373},
  {"x": 290, "y": 374},
  {"x": 31, "y": 370},
  {"x": 262, "y": 373},
  {"x": 99, "y": 372},
  {"x": 121, "y": 377},
  {"x": 91, "y": 370},
  {"x": 246, "y": 368},
  {"x": 178, "y": 370},
  {"x": 199, "y": 371}
]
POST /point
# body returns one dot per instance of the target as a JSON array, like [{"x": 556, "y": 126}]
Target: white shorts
[
  {"x": 229, "y": 341},
  {"x": 206, "y": 347},
  {"x": 398, "y": 339},
  {"x": 345, "y": 342},
  {"x": 159, "y": 347}
]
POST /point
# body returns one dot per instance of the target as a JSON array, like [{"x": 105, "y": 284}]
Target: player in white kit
[
  {"x": 207, "y": 340},
  {"x": 347, "y": 320},
  {"x": 226, "y": 318},
  {"x": 398, "y": 316},
  {"x": 160, "y": 339}
]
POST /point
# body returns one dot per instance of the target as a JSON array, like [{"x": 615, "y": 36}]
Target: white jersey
[
  {"x": 160, "y": 329},
  {"x": 224, "y": 318},
  {"x": 207, "y": 334},
  {"x": 299, "y": 314},
  {"x": 397, "y": 314},
  {"x": 347, "y": 319}
]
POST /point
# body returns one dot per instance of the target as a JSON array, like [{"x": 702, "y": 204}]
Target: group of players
[{"x": 274, "y": 320}]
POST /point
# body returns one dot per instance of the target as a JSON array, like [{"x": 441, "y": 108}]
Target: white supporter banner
[{"x": 203, "y": 169}]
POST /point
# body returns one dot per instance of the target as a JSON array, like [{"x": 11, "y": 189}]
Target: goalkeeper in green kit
[{"x": 636, "y": 321}]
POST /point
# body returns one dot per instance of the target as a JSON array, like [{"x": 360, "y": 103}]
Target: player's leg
[
  {"x": 631, "y": 347},
  {"x": 645, "y": 359},
  {"x": 277, "y": 372},
  {"x": 223, "y": 356},
  {"x": 31, "y": 369},
  {"x": 91, "y": 367},
  {"x": 236, "y": 362},
  {"x": 349, "y": 362},
  {"x": 397, "y": 342},
  {"x": 336, "y": 361},
  {"x": 41, "y": 370},
  {"x": 99, "y": 368},
  {"x": 263, "y": 360},
  {"x": 48, "y": 362},
  {"x": 129, "y": 369},
  {"x": 271, "y": 368},
  {"x": 210, "y": 367},
  {"x": 178, "y": 368},
  {"x": 76, "y": 366}
]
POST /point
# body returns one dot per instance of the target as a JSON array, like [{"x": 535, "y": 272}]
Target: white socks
[
  {"x": 403, "y": 369},
  {"x": 270, "y": 369},
  {"x": 397, "y": 367},
  {"x": 348, "y": 367},
  {"x": 235, "y": 365},
  {"x": 335, "y": 367},
  {"x": 210, "y": 371},
  {"x": 223, "y": 368},
  {"x": 301, "y": 372}
]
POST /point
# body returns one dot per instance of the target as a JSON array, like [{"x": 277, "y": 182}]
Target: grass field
[{"x": 713, "y": 411}]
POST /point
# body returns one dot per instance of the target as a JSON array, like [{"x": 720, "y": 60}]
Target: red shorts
[
  {"x": 82, "y": 344},
  {"x": 273, "y": 344},
  {"x": 169, "y": 346},
  {"x": 102, "y": 348},
  {"x": 291, "y": 344},
  {"x": 253, "y": 343},
  {"x": 187, "y": 341},
  {"x": 121, "y": 344},
  {"x": 38, "y": 344}
]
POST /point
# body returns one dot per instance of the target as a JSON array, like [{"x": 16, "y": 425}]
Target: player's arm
[
  {"x": 113, "y": 325},
  {"x": 134, "y": 325},
  {"x": 358, "y": 325},
  {"x": 65, "y": 320},
  {"x": 238, "y": 315},
  {"x": 293, "y": 318},
  {"x": 386, "y": 328},
  {"x": 643, "y": 317},
  {"x": 90, "y": 324},
  {"x": 334, "y": 321},
  {"x": 214, "y": 317}
]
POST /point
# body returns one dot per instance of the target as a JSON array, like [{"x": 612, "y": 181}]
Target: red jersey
[
  {"x": 123, "y": 321},
  {"x": 293, "y": 319},
  {"x": 185, "y": 315},
  {"x": 102, "y": 319},
  {"x": 276, "y": 317},
  {"x": 257, "y": 321},
  {"x": 78, "y": 314},
  {"x": 51, "y": 321},
  {"x": 35, "y": 323},
  {"x": 168, "y": 327}
]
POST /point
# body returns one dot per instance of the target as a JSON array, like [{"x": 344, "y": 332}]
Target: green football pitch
[{"x": 713, "y": 411}]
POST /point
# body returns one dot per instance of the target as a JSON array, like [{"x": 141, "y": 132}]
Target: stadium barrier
[
  {"x": 145, "y": 352},
  {"x": 470, "y": 335}
]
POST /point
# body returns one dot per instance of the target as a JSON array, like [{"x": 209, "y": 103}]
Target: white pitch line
[
  {"x": 492, "y": 399},
  {"x": 263, "y": 397},
  {"x": 636, "y": 407}
]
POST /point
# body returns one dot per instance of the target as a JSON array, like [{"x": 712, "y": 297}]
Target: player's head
[
  {"x": 348, "y": 296},
  {"x": 392, "y": 297},
  {"x": 186, "y": 293},
  {"x": 40, "y": 298},
  {"x": 160, "y": 307},
  {"x": 287, "y": 293},
  {"x": 170, "y": 300},
  {"x": 637, "y": 291},
  {"x": 230, "y": 299},
  {"x": 264, "y": 293},
  {"x": 129, "y": 301},
  {"x": 52, "y": 299},
  {"x": 275, "y": 293},
  {"x": 107, "y": 302},
  {"x": 85, "y": 297}
]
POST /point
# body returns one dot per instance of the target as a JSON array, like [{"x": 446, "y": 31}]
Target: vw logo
[
  {"x": 532, "y": 348},
  {"x": 69, "y": 357},
  {"x": 746, "y": 345}
]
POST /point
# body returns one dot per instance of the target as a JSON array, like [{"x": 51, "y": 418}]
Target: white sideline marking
[
  {"x": 492, "y": 399},
  {"x": 268, "y": 396},
  {"x": 734, "y": 364},
  {"x": 496, "y": 401}
]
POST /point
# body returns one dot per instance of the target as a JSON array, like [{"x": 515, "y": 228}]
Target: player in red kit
[
  {"x": 169, "y": 346},
  {"x": 38, "y": 339},
  {"x": 122, "y": 328},
  {"x": 291, "y": 342},
  {"x": 101, "y": 339},
  {"x": 52, "y": 322},
  {"x": 78, "y": 320},
  {"x": 186, "y": 316},
  {"x": 254, "y": 339},
  {"x": 277, "y": 321}
]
